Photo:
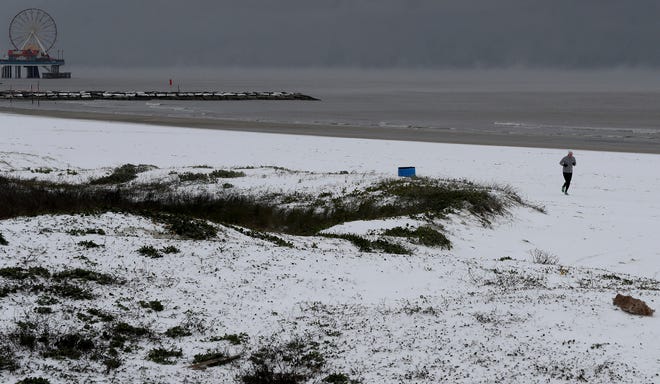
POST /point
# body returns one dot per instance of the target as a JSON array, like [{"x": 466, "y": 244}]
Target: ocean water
[{"x": 608, "y": 105}]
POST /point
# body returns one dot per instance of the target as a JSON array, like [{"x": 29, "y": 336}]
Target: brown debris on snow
[
  {"x": 215, "y": 362},
  {"x": 631, "y": 305}
]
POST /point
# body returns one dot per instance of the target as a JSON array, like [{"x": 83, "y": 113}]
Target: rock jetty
[{"x": 151, "y": 95}]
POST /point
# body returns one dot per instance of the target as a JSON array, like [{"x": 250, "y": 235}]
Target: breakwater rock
[{"x": 150, "y": 95}]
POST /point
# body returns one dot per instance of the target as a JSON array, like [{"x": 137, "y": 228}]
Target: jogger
[{"x": 568, "y": 162}]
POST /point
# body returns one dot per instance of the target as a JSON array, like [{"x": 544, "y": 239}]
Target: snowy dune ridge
[{"x": 482, "y": 311}]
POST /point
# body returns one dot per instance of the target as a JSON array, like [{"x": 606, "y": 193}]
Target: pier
[
  {"x": 33, "y": 33},
  {"x": 31, "y": 61},
  {"x": 149, "y": 95}
]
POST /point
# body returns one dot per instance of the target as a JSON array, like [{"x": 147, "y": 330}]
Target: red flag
[{"x": 170, "y": 82}]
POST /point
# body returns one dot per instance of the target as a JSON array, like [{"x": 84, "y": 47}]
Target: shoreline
[{"x": 429, "y": 135}]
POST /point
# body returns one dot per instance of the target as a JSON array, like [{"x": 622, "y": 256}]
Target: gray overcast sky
[{"x": 353, "y": 33}]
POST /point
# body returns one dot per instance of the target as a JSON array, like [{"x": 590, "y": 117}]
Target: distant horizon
[
  {"x": 312, "y": 80},
  {"x": 408, "y": 68}
]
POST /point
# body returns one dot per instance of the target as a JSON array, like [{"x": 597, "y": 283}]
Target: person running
[{"x": 568, "y": 162}]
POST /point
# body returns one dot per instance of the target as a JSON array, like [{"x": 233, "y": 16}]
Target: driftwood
[
  {"x": 215, "y": 362},
  {"x": 631, "y": 305}
]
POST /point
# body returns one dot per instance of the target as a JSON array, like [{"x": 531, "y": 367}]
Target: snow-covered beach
[
  {"x": 433, "y": 316},
  {"x": 608, "y": 220}
]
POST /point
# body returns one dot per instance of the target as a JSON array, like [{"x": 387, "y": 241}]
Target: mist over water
[{"x": 611, "y": 104}]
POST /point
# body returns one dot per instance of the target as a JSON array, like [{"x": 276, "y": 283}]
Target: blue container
[{"x": 407, "y": 171}]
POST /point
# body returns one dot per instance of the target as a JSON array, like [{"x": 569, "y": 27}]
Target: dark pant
[{"x": 567, "y": 180}]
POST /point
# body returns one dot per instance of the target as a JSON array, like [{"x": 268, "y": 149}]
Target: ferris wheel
[{"x": 33, "y": 29}]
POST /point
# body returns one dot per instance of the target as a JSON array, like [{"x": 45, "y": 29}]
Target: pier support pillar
[
  {"x": 17, "y": 72},
  {"x": 32, "y": 72},
  {"x": 6, "y": 71}
]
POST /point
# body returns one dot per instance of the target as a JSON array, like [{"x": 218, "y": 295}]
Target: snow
[{"x": 434, "y": 316}]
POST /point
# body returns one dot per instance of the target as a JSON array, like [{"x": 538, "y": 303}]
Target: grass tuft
[
  {"x": 178, "y": 331},
  {"x": 296, "y": 361},
  {"x": 7, "y": 359},
  {"x": 366, "y": 245},
  {"x": 129, "y": 330},
  {"x": 154, "y": 305},
  {"x": 123, "y": 174},
  {"x": 264, "y": 236},
  {"x": 89, "y": 244},
  {"x": 149, "y": 251},
  {"x": 170, "y": 249},
  {"x": 189, "y": 176},
  {"x": 424, "y": 235},
  {"x": 70, "y": 291},
  {"x": 69, "y": 346},
  {"x": 85, "y": 275},
  {"x": 199, "y": 358},
  {"x": 224, "y": 174},
  {"x": 164, "y": 356},
  {"x": 20, "y": 273},
  {"x": 339, "y": 378},
  {"x": 190, "y": 228},
  {"x": 101, "y": 315},
  {"x": 234, "y": 339},
  {"x": 88, "y": 231},
  {"x": 33, "y": 380}
]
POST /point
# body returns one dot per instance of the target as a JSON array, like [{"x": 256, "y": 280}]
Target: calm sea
[{"x": 610, "y": 105}]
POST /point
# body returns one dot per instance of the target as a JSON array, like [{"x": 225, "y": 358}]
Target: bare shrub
[
  {"x": 542, "y": 257},
  {"x": 284, "y": 362}
]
